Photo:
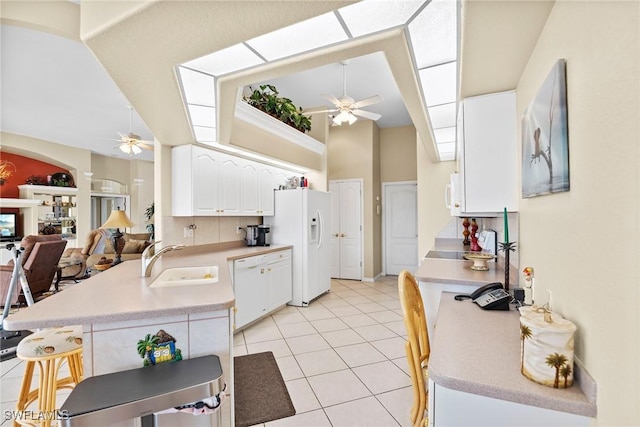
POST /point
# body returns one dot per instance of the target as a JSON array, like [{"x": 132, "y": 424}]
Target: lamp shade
[{"x": 117, "y": 219}]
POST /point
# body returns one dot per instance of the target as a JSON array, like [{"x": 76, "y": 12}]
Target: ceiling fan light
[
  {"x": 125, "y": 148},
  {"x": 352, "y": 119},
  {"x": 136, "y": 149},
  {"x": 336, "y": 120}
]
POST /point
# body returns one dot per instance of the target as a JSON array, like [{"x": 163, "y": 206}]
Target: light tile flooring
[{"x": 342, "y": 358}]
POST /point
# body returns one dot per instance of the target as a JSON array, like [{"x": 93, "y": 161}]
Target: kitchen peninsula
[{"x": 117, "y": 307}]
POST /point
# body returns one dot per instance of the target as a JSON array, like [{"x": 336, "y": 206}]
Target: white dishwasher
[{"x": 251, "y": 290}]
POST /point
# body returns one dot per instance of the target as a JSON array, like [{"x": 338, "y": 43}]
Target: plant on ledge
[{"x": 268, "y": 100}]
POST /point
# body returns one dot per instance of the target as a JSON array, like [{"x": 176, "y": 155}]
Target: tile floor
[{"x": 342, "y": 358}]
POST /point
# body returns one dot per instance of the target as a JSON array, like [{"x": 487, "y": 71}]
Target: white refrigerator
[{"x": 302, "y": 219}]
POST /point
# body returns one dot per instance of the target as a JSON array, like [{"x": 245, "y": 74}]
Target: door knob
[{"x": 336, "y": 235}]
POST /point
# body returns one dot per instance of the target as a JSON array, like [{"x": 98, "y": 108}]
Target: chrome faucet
[{"x": 148, "y": 260}]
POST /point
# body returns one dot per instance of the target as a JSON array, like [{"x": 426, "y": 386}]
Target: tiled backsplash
[{"x": 215, "y": 229}]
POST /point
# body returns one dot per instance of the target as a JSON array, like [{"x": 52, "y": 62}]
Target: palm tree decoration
[
  {"x": 146, "y": 346},
  {"x": 556, "y": 361},
  {"x": 566, "y": 371},
  {"x": 525, "y": 333}
]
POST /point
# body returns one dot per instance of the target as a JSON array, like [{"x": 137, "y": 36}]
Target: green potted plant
[{"x": 267, "y": 99}]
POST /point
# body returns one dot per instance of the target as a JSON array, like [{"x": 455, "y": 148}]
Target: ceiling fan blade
[
  {"x": 367, "y": 114},
  {"x": 143, "y": 144},
  {"x": 332, "y": 99},
  {"x": 319, "y": 110},
  {"x": 368, "y": 101}
]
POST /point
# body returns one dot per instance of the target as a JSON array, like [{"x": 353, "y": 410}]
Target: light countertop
[
  {"x": 121, "y": 293},
  {"x": 457, "y": 272},
  {"x": 481, "y": 355}
]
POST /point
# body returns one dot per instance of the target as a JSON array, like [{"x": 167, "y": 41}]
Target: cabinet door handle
[
  {"x": 262, "y": 271},
  {"x": 343, "y": 235},
  {"x": 336, "y": 235}
]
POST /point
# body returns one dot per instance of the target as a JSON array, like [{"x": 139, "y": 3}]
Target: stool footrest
[{"x": 134, "y": 393}]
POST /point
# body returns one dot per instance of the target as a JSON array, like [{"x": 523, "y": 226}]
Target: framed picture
[{"x": 545, "y": 138}]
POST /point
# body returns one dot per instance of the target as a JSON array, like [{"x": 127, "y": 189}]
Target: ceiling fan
[
  {"x": 131, "y": 143},
  {"x": 346, "y": 107}
]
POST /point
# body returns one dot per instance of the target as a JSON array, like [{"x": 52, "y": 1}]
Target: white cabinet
[
  {"x": 56, "y": 212},
  {"x": 195, "y": 181},
  {"x": 258, "y": 185},
  {"x": 250, "y": 289},
  {"x": 279, "y": 279},
  {"x": 487, "y": 155},
  {"x": 228, "y": 185},
  {"x": 262, "y": 284},
  {"x": 445, "y": 405},
  {"x": 209, "y": 183}
]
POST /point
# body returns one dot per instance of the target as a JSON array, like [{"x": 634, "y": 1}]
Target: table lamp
[{"x": 118, "y": 219}]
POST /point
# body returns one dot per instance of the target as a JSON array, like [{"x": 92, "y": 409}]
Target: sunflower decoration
[{"x": 6, "y": 170}]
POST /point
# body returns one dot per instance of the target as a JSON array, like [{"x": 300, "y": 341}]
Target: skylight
[
  {"x": 368, "y": 17},
  {"x": 431, "y": 27},
  {"x": 307, "y": 35}
]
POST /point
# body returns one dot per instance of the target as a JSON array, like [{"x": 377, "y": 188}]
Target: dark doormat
[{"x": 260, "y": 392}]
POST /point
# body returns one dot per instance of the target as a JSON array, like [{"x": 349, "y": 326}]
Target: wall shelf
[
  {"x": 262, "y": 120},
  {"x": 19, "y": 203}
]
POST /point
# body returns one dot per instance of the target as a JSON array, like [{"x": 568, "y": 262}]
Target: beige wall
[
  {"x": 560, "y": 234},
  {"x": 351, "y": 155},
  {"x": 433, "y": 215},
  {"x": 375, "y": 252},
  {"x": 398, "y": 154}
]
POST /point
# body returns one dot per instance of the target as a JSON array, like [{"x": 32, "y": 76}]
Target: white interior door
[
  {"x": 346, "y": 233},
  {"x": 401, "y": 227}
]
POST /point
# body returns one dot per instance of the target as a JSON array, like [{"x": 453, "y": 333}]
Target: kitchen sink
[{"x": 186, "y": 276}]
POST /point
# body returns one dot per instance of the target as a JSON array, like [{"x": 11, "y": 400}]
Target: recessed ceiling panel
[
  {"x": 433, "y": 34},
  {"x": 307, "y": 35},
  {"x": 199, "y": 88},
  {"x": 443, "y": 116},
  {"x": 367, "y": 17},
  {"x": 225, "y": 61},
  {"x": 439, "y": 84}
]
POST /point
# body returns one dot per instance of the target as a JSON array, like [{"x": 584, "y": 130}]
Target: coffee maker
[
  {"x": 264, "y": 238},
  {"x": 258, "y": 235}
]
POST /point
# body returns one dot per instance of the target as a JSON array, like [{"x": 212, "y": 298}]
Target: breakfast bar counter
[
  {"x": 119, "y": 309},
  {"x": 122, "y": 294},
  {"x": 475, "y": 358}
]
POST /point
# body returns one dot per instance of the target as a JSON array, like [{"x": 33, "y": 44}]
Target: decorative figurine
[
  {"x": 465, "y": 233},
  {"x": 475, "y": 247}
]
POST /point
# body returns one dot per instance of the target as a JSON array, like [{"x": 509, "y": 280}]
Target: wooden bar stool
[{"x": 48, "y": 349}]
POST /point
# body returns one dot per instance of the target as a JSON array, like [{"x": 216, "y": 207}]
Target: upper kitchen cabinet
[
  {"x": 258, "y": 184},
  {"x": 229, "y": 187},
  {"x": 210, "y": 183},
  {"x": 487, "y": 150},
  {"x": 194, "y": 187}
]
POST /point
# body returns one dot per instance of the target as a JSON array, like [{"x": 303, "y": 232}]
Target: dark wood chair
[{"x": 39, "y": 261}]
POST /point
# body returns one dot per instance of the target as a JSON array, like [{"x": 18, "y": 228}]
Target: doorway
[
  {"x": 346, "y": 229},
  {"x": 400, "y": 224}
]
